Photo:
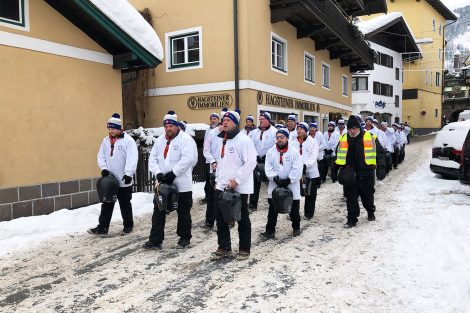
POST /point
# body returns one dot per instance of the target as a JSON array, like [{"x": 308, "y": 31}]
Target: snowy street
[{"x": 414, "y": 258}]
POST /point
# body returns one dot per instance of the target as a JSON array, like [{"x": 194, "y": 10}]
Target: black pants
[
  {"x": 244, "y": 226},
  {"x": 255, "y": 195},
  {"x": 124, "y": 197},
  {"x": 323, "y": 169},
  {"x": 183, "y": 228},
  {"x": 402, "y": 154},
  {"x": 309, "y": 205},
  {"x": 207, "y": 185},
  {"x": 388, "y": 161},
  {"x": 395, "y": 156},
  {"x": 364, "y": 188},
  {"x": 210, "y": 210},
  {"x": 272, "y": 216}
]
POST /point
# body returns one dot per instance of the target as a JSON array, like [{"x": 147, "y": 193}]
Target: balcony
[{"x": 327, "y": 24}]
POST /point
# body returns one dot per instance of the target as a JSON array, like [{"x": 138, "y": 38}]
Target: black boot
[
  {"x": 99, "y": 231},
  {"x": 349, "y": 224},
  {"x": 371, "y": 216},
  {"x": 266, "y": 235}
]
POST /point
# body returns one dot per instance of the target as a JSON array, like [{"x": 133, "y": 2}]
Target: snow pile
[
  {"x": 124, "y": 15},
  {"x": 380, "y": 21},
  {"x": 27, "y": 232}
]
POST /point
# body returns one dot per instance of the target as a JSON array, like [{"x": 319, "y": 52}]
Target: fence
[{"x": 144, "y": 180}]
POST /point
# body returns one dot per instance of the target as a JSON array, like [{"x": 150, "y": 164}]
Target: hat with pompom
[
  {"x": 115, "y": 121},
  {"x": 234, "y": 116},
  {"x": 171, "y": 118}
]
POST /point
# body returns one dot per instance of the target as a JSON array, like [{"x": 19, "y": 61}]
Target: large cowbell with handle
[
  {"x": 230, "y": 204},
  {"x": 107, "y": 187},
  {"x": 260, "y": 173},
  {"x": 305, "y": 186},
  {"x": 282, "y": 200},
  {"x": 166, "y": 197}
]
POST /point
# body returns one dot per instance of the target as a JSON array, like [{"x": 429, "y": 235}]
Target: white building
[{"x": 379, "y": 92}]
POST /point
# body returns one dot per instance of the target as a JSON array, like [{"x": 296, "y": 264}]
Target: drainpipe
[
  {"x": 235, "y": 53},
  {"x": 442, "y": 74}
]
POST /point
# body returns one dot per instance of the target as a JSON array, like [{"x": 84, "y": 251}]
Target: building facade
[
  {"x": 60, "y": 83},
  {"x": 422, "y": 85},
  {"x": 279, "y": 56}
]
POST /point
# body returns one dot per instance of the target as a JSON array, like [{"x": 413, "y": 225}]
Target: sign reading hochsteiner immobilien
[
  {"x": 285, "y": 102},
  {"x": 210, "y": 101}
]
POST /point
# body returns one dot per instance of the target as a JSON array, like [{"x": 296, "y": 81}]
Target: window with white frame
[
  {"x": 438, "y": 79},
  {"x": 309, "y": 68},
  {"x": 14, "y": 13},
  {"x": 278, "y": 53},
  {"x": 325, "y": 75},
  {"x": 440, "y": 54},
  {"x": 345, "y": 84},
  {"x": 360, "y": 83},
  {"x": 185, "y": 50}
]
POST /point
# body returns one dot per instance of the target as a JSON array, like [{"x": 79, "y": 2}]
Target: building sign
[
  {"x": 380, "y": 104},
  {"x": 210, "y": 101},
  {"x": 285, "y": 102}
]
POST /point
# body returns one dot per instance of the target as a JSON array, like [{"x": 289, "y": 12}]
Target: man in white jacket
[
  {"x": 236, "y": 160},
  {"x": 117, "y": 156},
  {"x": 292, "y": 126},
  {"x": 214, "y": 121},
  {"x": 284, "y": 169},
  {"x": 172, "y": 161},
  {"x": 309, "y": 149},
  {"x": 390, "y": 141},
  {"x": 264, "y": 138},
  {"x": 249, "y": 126},
  {"x": 322, "y": 162}
]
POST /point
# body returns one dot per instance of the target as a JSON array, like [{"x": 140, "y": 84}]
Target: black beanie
[{"x": 354, "y": 122}]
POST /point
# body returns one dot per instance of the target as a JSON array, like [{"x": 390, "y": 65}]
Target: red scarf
[
  {"x": 301, "y": 141},
  {"x": 112, "y": 140},
  {"x": 281, "y": 153},
  {"x": 222, "y": 153},
  {"x": 167, "y": 147}
]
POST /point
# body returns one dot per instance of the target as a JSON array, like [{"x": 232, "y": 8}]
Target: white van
[
  {"x": 464, "y": 116},
  {"x": 447, "y": 148}
]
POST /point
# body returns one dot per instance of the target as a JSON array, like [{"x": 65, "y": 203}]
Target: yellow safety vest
[{"x": 370, "y": 150}]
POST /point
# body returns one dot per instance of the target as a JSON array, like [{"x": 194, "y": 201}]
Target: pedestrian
[
  {"x": 390, "y": 141},
  {"x": 341, "y": 127},
  {"x": 249, "y": 126},
  {"x": 359, "y": 154},
  {"x": 322, "y": 165},
  {"x": 309, "y": 150},
  {"x": 264, "y": 138},
  {"x": 291, "y": 126},
  {"x": 214, "y": 121},
  {"x": 396, "y": 146},
  {"x": 331, "y": 138},
  {"x": 118, "y": 157},
  {"x": 171, "y": 161},
  {"x": 283, "y": 169},
  {"x": 236, "y": 161},
  {"x": 407, "y": 131}
]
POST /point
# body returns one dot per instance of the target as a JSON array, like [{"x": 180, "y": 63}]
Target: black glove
[
  {"x": 261, "y": 159},
  {"x": 170, "y": 177},
  {"x": 104, "y": 173},
  {"x": 304, "y": 171},
  {"x": 381, "y": 173},
  {"x": 160, "y": 177},
  {"x": 284, "y": 182},
  {"x": 127, "y": 179},
  {"x": 277, "y": 181}
]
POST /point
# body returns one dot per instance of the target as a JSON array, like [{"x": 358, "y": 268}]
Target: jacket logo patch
[
  {"x": 120, "y": 148},
  {"x": 231, "y": 150},
  {"x": 287, "y": 158},
  {"x": 175, "y": 147}
]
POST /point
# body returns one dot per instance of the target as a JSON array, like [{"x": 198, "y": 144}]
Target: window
[
  {"x": 436, "y": 112},
  {"x": 14, "y": 14},
  {"x": 440, "y": 29},
  {"x": 426, "y": 78},
  {"x": 325, "y": 74},
  {"x": 383, "y": 89},
  {"x": 278, "y": 53},
  {"x": 397, "y": 73},
  {"x": 309, "y": 68},
  {"x": 397, "y": 101},
  {"x": 345, "y": 85},
  {"x": 438, "y": 79},
  {"x": 184, "y": 49},
  {"x": 433, "y": 25},
  {"x": 384, "y": 60},
  {"x": 430, "y": 78},
  {"x": 360, "y": 83},
  {"x": 440, "y": 54}
]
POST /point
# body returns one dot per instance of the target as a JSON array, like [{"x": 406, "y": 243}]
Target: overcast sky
[{"x": 454, "y": 4}]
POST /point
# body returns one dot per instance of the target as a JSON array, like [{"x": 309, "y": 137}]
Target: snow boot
[
  {"x": 220, "y": 254},
  {"x": 182, "y": 243},
  {"x": 296, "y": 232},
  {"x": 371, "y": 216},
  {"x": 267, "y": 235},
  {"x": 126, "y": 231},
  {"x": 349, "y": 224},
  {"x": 242, "y": 255},
  {"x": 150, "y": 245}
]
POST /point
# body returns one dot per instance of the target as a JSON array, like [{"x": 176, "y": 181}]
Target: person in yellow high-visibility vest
[{"x": 358, "y": 155}]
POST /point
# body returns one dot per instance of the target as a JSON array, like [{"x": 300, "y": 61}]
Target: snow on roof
[
  {"x": 423, "y": 40},
  {"x": 130, "y": 21},
  {"x": 369, "y": 26}
]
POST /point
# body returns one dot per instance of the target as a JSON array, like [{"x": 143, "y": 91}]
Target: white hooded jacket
[
  {"x": 267, "y": 141},
  {"x": 291, "y": 168},
  {"x": 310, "y": 152},
  {"x": 180, "y": 159},
  {"x": 124, "y": 158},
  {"x": 332, "y": 140}
]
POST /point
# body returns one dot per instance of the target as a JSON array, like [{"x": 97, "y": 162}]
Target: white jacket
[
  {"x": 293, "y": 134},
  {"x": 331, "y": 141},
  {"x": 382, "y": 138},
  {"x": 391, "y": 139},
  {"x": 320, "y": 139},
  {"x": 210, "y": 149},
  {"x": 267, "y": 142},
  {"x": 180, "y": 159},
  {"x": 248, "y": 133},
  {"x": 310, "y": 152},
  {"x": 291, "y": 168},
  {"x": 238, "y": 163},
  {"x": 124, "y": 158},
  {"x": 206, "y": 135}
]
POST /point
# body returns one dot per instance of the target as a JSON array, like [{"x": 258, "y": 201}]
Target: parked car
[
  {"x": 464, "y": 115},
  {"x": 446, "y": 150},
  {"x": 464, "y": 176}
]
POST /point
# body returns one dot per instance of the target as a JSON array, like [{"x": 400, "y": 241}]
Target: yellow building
[
  {"x": 61, "y": 67},
  {"x": 275, "y": 55},
  {"x": 423, "y": 79}
]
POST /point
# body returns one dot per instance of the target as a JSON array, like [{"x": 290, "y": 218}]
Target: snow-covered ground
[{"x": 414, "y": 258}]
